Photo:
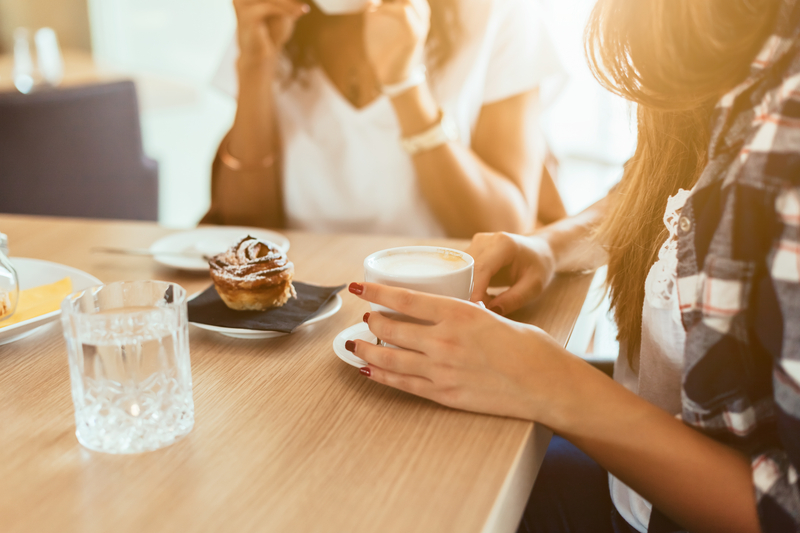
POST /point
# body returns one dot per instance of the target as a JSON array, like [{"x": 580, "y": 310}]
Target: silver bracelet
[
  {"x": 416, "y": 78},
  {"x": 444, "y": 131},
  {"x": 237, "y": 165}
]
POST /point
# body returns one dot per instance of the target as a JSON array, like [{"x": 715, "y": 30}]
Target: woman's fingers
[
  {"x": 415, "y": 304},
  {"x": 526, "y": 289},
  {"x": 264, "y": 8},
  {"x": 421, "y": 7},
  {"x": 405, "y": 11},
  {"x": 485, "y": 269},
  {"x": 280, "y": 4},
  {"x": 492, "y": 252},
  {"x": 257, "y": 14},
  {"x": 291, "y": 5},
  {"x": 411, "y": 384},
  {"x": 394, "y": 359},
  {"x": 403, "y": 334},
  {"x": 395, "y": 10},
  {"x": 280, "y": 29}
]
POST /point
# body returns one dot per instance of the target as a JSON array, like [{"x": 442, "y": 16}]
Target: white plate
[
  {"x": 33, "y": 273},
  {"x": 207, "y": 241},
  {"x": 330, "y": 309},
  {"x": 358, "y": 332}
]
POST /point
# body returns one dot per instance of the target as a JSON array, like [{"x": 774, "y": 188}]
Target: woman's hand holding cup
[
  {"x": 264, "y": 27},
  {"x": 460, "y": 355},
  {"x": 394, "y": 36}
]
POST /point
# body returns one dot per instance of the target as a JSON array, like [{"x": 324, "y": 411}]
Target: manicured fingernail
[
  {"x": 356, "y": 288},
  {"x": 365, "y": 318},
  {"x": 350, "y": 346},
  {"x": 365, "y": 371},
  {"x": 496, "y": 309}
]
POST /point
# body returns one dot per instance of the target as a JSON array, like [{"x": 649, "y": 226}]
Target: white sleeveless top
[
  {"x": 661, "y": 354},
  {"x": 344, "y": 169}
]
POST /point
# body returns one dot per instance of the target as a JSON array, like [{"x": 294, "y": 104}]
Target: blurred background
[{"x": 172, "y": 48}]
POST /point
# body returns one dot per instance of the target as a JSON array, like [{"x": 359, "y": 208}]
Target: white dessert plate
[
  {"x": 33, "y": 273},
  {"x": 207, "y": 241},
  {"x": 327, "y": 311},
  {"x": 358, "y": 332}
]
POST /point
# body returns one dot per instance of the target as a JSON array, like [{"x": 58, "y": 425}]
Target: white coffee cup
[
  {"x": 430, "y": 269},
  {"x": 341, "y": 7}
]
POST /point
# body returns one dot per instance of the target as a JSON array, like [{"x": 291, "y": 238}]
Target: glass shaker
[{"x": 9, "y": 284}]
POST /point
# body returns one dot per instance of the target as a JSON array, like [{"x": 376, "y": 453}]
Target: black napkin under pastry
[{"x": 208, "y": 308}]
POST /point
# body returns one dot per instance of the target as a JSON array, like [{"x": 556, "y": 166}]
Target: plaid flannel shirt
[{"x": 739, "y": 277}]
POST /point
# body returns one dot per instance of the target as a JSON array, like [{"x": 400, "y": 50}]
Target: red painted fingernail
[
  {"x": 356, "y": 288},
  {"x": 365, "y": 371},
  {"x": 496, "y": 309},
  {"x": 366, "y": 317},
  {"x": 350, "y": 346}
]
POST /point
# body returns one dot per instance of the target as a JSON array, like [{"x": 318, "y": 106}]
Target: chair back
[{"x": 76, "y": 152}]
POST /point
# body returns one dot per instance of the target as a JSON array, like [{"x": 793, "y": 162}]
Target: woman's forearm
[
  {"x": 466, "y": 194},
  {"x": 572, "y": 240},
  {"x": 698, "y": 482},
  {"x": 252, "y": 136},
  {"x": 251, "y": 195}
]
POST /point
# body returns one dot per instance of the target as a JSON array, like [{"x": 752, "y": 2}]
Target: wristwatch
[{"x": 444, "y": 131}]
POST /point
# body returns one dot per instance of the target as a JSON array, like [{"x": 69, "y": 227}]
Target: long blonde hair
[{"x": 675, "y": 59}]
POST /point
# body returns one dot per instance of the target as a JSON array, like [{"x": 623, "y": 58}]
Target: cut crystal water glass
[{"x": 128, "y": 347}]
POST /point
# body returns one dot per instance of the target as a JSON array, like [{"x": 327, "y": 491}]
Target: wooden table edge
[
  {"x": 510, "y": 503},
  {"x": 507, "y": 509}
]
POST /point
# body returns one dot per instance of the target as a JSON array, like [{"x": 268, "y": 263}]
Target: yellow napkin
[{"x": 39, "y": 301}]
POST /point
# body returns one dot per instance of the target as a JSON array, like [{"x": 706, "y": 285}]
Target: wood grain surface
[{"x": 287, "y": 438}]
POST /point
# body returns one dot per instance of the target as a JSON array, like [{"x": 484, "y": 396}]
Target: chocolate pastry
[{"x": 253, "y": 275}]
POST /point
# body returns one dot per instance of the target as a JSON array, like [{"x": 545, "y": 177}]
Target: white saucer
[
  {"x": 358, "y": 332},
  {"x": 33, "y": 273},
  {"x": 207, "y": 241},
  {"x": 330, "y": 309}
]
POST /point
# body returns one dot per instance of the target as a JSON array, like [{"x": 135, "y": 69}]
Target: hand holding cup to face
[
  {"x": 525, "y": 264},
  {"x": 395, "y": 32},
  {"x": 264, "y": 26}
]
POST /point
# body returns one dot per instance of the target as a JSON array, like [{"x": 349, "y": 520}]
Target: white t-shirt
[
  {"x": 658, "y": 379},
  {"x": 344, "y": 169}
]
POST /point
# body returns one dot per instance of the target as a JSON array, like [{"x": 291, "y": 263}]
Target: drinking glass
[
  {"x": 9, "y": 283},
  {"x": 128, "y": 347}
]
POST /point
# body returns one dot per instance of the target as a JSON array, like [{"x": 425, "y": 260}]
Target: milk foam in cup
[
  {"x": 419, "y": 264},
  {"x": 430, "y": 269}
]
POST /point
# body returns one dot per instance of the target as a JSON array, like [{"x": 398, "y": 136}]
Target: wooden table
[{"x": 287, "y": 438}]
